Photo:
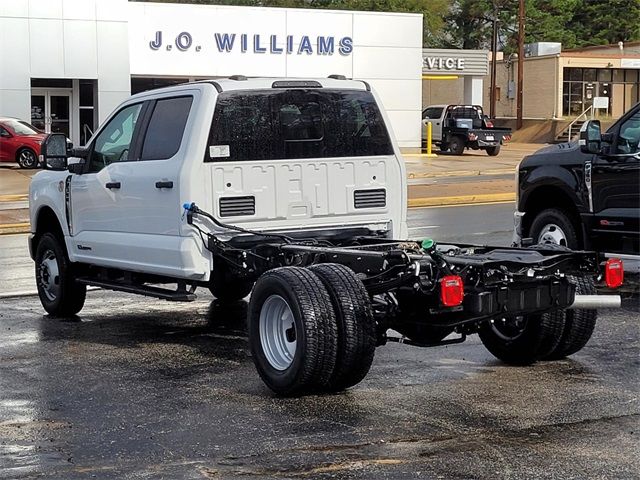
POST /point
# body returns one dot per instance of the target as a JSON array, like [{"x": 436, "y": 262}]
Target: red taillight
[
  {"x": 451, "y": 290},
  {"x": 613, "y": 273},
  {"x": 489, "y": 123}
]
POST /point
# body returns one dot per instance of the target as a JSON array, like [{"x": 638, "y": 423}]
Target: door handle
[
  {"x": 111, "y": 185},
  {"x": 164, "y": 184}
]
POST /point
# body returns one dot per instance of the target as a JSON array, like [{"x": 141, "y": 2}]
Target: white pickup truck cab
[
  {"x": 263, "y": 154},
  {"x": 293, "y": 191}
]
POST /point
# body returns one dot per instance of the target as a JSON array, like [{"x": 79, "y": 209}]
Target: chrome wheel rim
[
  {"x": 27, "y": 159},
  {"x": 552, "y": 233},
  {"x": 277, "y": 332},
  {"x": 509, "y": 329},
  {"x": 49, "y": 276}
]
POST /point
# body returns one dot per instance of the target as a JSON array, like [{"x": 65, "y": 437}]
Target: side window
[
  {"x": 114, "y": 141},
  {"x": 4, "y": 133},
  {"x": 629, "y": 136},
  {"x": 166, "y": 128},
  {"x": 432, "y": 113}
]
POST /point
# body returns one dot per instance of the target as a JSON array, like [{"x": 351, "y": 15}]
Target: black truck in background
[
  {"x": 458, "y": 127},
  {"x": 585, "y": 195}
]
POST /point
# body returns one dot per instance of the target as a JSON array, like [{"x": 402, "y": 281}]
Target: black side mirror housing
[
  {"x": 54, "y": 152},
  {"x": 590, "y": 137}
]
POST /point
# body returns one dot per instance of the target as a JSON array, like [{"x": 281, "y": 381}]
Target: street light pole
[{"x": 520, "y": 64}]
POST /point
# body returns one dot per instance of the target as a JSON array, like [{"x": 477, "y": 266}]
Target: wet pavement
[{"x": 139, "y": 388}]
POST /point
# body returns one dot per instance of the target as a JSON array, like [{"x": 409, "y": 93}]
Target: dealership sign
[
  {"x": 443, "y": 63},
  {"x": 256, "y": 43}
]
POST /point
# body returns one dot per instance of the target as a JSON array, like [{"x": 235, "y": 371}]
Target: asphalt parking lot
[{"x": 138, "y": 388}]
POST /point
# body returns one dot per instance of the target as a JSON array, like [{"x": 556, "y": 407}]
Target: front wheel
[
  {"x": 293, "y": 333},
  {"x": 553, "y": 226},
  {"x": 59, "y": 293}
]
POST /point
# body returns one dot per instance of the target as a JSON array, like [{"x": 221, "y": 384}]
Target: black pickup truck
[
  {"x": 586, "y": 194},
  {"x": 457, "y": 127}
]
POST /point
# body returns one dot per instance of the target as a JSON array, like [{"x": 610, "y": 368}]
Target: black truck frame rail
[{"x": 499, "y": 282}]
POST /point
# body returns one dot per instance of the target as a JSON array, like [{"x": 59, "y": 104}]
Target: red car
[{"x": 19, "y": 142}]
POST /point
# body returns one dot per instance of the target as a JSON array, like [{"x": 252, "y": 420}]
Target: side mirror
[
  {"x": 54, "y": 152},
  {"x": 590, "y": 137},
  {"x": 5, "y": 134}
]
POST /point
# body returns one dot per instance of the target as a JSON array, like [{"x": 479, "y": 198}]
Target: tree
[{"x": 574, "y": 23}]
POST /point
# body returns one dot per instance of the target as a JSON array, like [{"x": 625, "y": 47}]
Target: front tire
[
  {"x": 554, "y": 226},
  {"x": 27, "y": 158},
  {"x": 525, "y": 340},
  {"x": 356, "y": 325},
  {"x": 60, "y": 294},
  {"x": 292, "y": 331}
]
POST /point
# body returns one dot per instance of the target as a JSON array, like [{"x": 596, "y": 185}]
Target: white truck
[{"x": 293, "y": 191}]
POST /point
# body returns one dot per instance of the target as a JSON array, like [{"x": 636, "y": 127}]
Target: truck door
[
  {"x": 616, "y": 189},
  {"x": 130, "y": 214},
  {"x": 433, "y": 115}
]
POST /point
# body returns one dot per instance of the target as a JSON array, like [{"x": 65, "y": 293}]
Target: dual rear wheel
[
  {"x": 550, "y": 336},
  {"x": 311, "y": 329}
]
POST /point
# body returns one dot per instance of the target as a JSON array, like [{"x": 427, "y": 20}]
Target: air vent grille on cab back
[
  {"x": 237, "y": 206},
  {"x": 374, "y": 198}
]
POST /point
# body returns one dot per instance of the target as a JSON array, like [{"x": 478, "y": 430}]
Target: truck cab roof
[{"x": 239, "y": 82}]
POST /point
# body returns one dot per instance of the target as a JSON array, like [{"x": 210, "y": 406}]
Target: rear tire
[
  {"x": 356, "y": 326},
  {"x": 493, "y": 151},
  {"x": 227, "y": 287},
  {"x": 444, "y": 147},
  {"x": 292, "y": 331},
  {"x": 538, "y": 337},
  {"x": 456, "y": 145},
  {"x": 579, "y": 323},
  {"x": 60, "y": 294}
]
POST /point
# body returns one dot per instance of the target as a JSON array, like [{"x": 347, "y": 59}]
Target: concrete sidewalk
[{"x": 433, "y": 181}]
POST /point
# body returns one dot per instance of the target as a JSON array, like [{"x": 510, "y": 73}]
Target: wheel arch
[{"x": 46, "y": 221}]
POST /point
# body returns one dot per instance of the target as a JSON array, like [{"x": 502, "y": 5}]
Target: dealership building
[{"x": 66, "y": 64}]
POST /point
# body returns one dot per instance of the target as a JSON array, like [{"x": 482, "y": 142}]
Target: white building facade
[{"x": 66, "y": 64}]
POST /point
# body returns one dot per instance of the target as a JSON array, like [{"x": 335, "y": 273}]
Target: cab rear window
[{"x": 296, "y": 124}]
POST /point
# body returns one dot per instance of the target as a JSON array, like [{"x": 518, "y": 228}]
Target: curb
[
  {"x": 14, "y": 197},
  {"x": 461, "y": 200},
  {"x": 463, "y": 173},
  {"x": 15, "y": 228}
]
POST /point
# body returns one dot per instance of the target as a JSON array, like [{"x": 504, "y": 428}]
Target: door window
[
  {"x": 113, "y": 143},
  {"x": 432, "y": 113},
  {"x": 166, "y": 128},
  {"x": 629, "y": 136}
]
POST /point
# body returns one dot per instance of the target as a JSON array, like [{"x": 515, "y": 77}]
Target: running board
[{"x": 179, "y": 295}]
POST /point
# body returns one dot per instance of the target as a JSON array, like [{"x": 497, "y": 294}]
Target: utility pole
[
  {"x": 494, "y": 54},
  {"x": 520, "y": 64}
]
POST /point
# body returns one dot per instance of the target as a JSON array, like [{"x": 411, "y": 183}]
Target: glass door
[
  {"x": 60, "y": 113},
  {"x": 38, "y": 110},
  {"x": 51, "y": 110}
]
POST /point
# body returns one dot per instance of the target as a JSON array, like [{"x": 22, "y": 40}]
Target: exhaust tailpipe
[{"x": 596, "y": 301}]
